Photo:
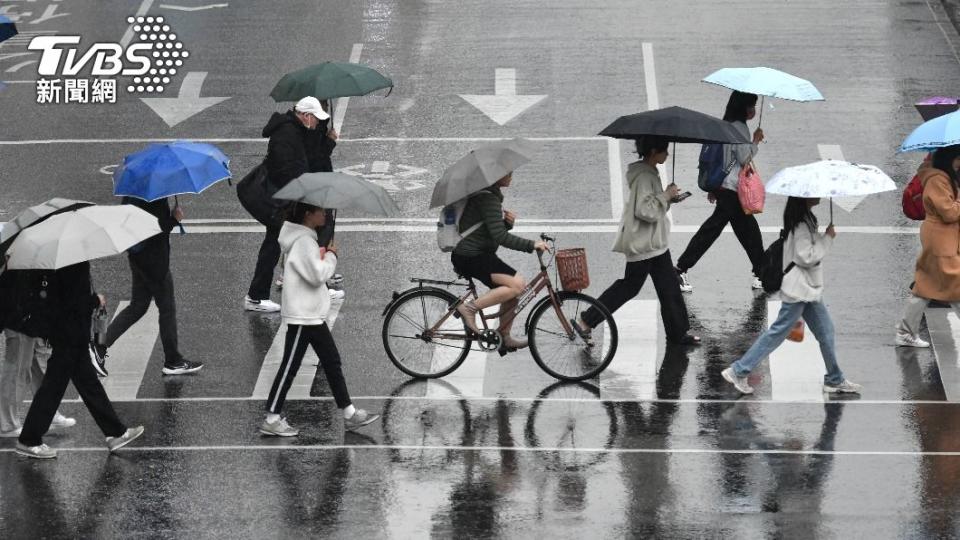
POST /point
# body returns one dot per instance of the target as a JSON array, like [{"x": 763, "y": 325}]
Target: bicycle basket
[{"x": 572, "y": 267}]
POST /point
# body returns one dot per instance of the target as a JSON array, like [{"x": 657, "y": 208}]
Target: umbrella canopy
[
  {"x": 82, "y": 235},
  {"x": 329, "y": 80},
  {"x": 337, "y": 191},
  {"x": 479, "y": 169},
  {"x": 164, "y": 170},
  {"x": 932, "y": 134},
  {"x": 7, "y": 28},
  {"x": 34, "y": 215},
  {"x": 676, "y": 124},
  {"x": 765, "y": 81},
  {"x": 933, "y": 107},
  {"x": 830, "y": 178}
]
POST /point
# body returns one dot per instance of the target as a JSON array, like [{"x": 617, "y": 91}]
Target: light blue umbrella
[
  {"x": 932, "y": 134},
  {"x": 765, "y": 81}
]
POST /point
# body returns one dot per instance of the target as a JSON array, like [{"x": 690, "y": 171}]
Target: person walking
[
  {"x": 23, "y": 366},
  {"x": 287, "y": 158},
  {"x": 475, "y": 256},
  {"x": 741, "y": 107},
  {"x": 802, "y": 293},
  {"x": 72, "y": 304},
  {"x": 151, "y": 279},
  {"x": 644, "y": 240},
  {"x": 306, "y": 302},
  {"x": 937, "y": 274}
]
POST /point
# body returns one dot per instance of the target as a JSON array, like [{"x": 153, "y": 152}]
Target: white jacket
[
  {"x": 644, "y": 227},
  {"x": 306, "y": 299},
  {"x": 805, "y": 249}
]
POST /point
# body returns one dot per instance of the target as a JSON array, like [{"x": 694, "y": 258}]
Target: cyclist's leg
[{"x": 506, "y": 293}]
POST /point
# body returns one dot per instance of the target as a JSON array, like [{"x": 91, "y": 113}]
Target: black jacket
[
  {"x": 294, "y": 149},
  {"x": 153, "y": 254},
  {"x": 73, "y": 301}
]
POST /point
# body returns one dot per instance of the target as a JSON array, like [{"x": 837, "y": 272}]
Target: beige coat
[
  {"x": 938, "y": 267},
  {"x": 644, "y": 227}
]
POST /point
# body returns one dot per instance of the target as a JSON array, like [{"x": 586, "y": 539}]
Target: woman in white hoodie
[
  {"x": 306, "y": 305},
  {"x": 802, "y": 295},
  {"x": 644, "y": 239}
]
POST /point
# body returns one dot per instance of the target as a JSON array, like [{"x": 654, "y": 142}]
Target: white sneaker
[
  {"x": 845, "y": 387},
  {"x": 740, "y": 383},
  {"x": 61, "y": 421},
  {"x": 265, "y": 306},
  {"x": 757, "y": 284},
  {"x": 685, "y": 285},
  {"x": 39, "y": 452},
  {"x": 909, "y": 340},
  {"x": 131, "y": 434}
]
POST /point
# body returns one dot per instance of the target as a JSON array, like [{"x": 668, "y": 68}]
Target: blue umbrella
[
  {"x": 162, "y": 170},
  {"x": 765, "y": 81},
  {"x": 932, "y": 134},
  {"x": 7, "y": 28}
]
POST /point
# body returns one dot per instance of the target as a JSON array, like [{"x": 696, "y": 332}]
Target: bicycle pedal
[{"x": 504, "y": 350}]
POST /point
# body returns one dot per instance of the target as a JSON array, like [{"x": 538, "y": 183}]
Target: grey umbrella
[
  {"x": 338, "y": 191},
  {"x": 479, "y": 169},
  {"x": 34, "y": 215}
]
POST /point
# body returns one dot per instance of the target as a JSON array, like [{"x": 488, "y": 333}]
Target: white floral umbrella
[{"x": 830, "y": 178}]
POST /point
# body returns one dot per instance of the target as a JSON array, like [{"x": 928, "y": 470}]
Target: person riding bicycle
[{"x": 476, "y": 257}]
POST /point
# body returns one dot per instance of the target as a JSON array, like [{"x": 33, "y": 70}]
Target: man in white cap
[{"x": 290, "y": 153}]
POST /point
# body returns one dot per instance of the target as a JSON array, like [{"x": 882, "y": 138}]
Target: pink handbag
[{"x": 750, "y": 190}]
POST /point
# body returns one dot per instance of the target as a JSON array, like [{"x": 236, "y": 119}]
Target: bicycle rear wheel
[
  {"x": 415, "y": 353},
  {"x": 566, "y": 357}
]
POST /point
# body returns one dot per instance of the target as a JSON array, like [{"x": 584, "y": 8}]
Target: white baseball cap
[{"x": 311, "y": 105}]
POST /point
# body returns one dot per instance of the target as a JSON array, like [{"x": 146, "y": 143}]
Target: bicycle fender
[{"x": 526, "y": 324}]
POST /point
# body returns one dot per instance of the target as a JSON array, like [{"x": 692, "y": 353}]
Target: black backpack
[
  {"x": 25, "y": 303},
  {"x": 772, "y": 272}
]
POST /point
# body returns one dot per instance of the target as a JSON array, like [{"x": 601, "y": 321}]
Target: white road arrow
[
  {"x": 197, "y": 8},
  {"x": 505, "y": 104},
  {"x": 833, "y": 151},
  {"x": 187, "y": 103}
]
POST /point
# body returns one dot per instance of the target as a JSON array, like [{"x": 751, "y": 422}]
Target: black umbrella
[{"x": 677, "y": 125}]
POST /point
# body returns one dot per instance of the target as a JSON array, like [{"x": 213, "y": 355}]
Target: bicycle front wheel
[
  {"x": 566, "y": 357},
  {"x": 413, "y": 343}
]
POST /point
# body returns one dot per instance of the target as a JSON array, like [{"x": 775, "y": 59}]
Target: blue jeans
[{"x": 817, "y": 318}]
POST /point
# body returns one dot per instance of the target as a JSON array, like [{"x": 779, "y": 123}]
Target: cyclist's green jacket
[{"x": 487, "y": 206}]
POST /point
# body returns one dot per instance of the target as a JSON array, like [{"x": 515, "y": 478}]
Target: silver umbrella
[
  {"x": 479, "y": 169},
  {"x": 332, "y": 190},
  {"x": 33, "y": 215}
]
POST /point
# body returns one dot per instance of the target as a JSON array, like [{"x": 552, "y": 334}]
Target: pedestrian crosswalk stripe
[
  {"x": 130, "y": 355},
  {"x": 943, "y": 326},
  {"x": 302, "y": 383},
  {"x": 468, "y": 379},
  {"x": 632, "y": 374},
  {"x": 796, "y": 369}
]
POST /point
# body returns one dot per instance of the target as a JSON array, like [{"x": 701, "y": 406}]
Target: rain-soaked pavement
[{"x": 659, "y": 445}]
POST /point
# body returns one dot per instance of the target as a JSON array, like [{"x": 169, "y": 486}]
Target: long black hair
[
  {"x": 943, "y": 160},
  {"x": 796, "y": 212},
  {"x": 738, "y": 106}
]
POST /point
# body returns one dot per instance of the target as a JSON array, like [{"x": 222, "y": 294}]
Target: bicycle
[{"x": 425, "y": 337}]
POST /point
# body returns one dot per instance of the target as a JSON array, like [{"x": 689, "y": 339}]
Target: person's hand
[
  {"x": 758, "y": 136},
  {"x": 672, "y": 191},
  {"x": 178, "y": 214},
  {"x": 332, "y": 133},
  {"x": 331, "y": 248},
  {"x": 103, "y": 300},
  {"x": 712, "y": 197},
  {"x": 509, "y": 217},
  {"x": 540, "y": 245},
  {"x": 831, "y": 232}
]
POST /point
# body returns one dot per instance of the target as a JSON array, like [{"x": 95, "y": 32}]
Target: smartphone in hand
[{"x": 681, "y": 197}]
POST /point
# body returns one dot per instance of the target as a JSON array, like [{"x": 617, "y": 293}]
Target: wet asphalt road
[{"x": 512, "y": 454}]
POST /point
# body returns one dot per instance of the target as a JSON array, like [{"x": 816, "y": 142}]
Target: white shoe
[
  {"x": 740, "y": 383},
  {"x": 757, "y": 284},
  {"x": 265, "y": 306},
  {"x": 909, "y": 340},
  {"x": 38, "y": 452},
  {"x": 336, "y": 294},
  {"x": 685, "y": 285},
  {"x": 61, "y": 421},
  {"x": 845, "y": 387}
]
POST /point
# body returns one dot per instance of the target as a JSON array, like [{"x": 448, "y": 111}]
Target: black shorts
[{"x": 481, "y": 267}]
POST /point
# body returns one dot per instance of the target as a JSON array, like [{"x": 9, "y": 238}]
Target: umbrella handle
[
  {"x": 831, "y": 210},
  {"x": 760, "y": 122},
  {"x": 176, "y": 204}
]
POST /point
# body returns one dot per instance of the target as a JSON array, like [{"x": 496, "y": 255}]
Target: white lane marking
[
  {"x": 264, "y": 141},
  {"x": 400, "y": 220},
  {"x": 504, "y": 105},
  {"x": 796, "y": 369},
  {"x": 615, "y": 166},
  {"x": 469, "y": 378},
  {"x": 379, "y": 226},
  {"x": 128, "y": 35},
  {"x": 650, "y": 77},
  {"x": 380, "y": 167},
  {"x": 300, "y": 388},
  {"x": 174, "y": 110},
  {"x": 633, "y": 372},
  {"x": 833, "y": 151},
  {"x": 130, "y": 355},
  {"x": 943, "y": 29},
  {"x": 460, "y": 448},
  {"x": 944, "y": 327},
  {"x": 197, "y": 8},
  {"x": 340, "y": 105}
]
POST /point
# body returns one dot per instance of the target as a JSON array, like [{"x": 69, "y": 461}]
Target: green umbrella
[{"x": 329, "y": 80}]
